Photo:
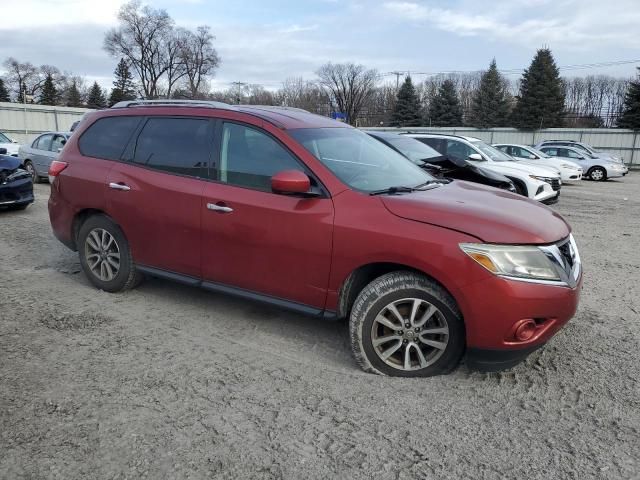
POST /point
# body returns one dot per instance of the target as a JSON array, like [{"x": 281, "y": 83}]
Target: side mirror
[
  {"x": 290, "y": 181},
  {"x": 580, "y": 158},
  {"x": 59, "y": 150},
  {"x": 63, "y": 142},
  {"x": 476, "y": 157},
  {"x": 532, "y": 157}
]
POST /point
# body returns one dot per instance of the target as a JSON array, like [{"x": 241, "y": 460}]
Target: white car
[
  {"x": 538, "y": 183},
  {"x": 569, "y": 171},
  {"x": 10, "y": 145}
]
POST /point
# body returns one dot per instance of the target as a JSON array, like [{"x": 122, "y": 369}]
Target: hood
[
  {"x": 519, "y": 167},
  {"x": 8, "y": 163},
  {"x": 12, "y": 148},
  {"x": 492, "y": 215}
]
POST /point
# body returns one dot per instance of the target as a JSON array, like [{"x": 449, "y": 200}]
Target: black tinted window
[
  {"x": 249, "y": 158},
  {"x": 176, "y": 145},
  {"x": 439, "y": 144},
  {"x": 108, "y": 137}
]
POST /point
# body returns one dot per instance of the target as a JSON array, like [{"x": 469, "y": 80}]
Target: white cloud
[{"x": 35, "y": 13}]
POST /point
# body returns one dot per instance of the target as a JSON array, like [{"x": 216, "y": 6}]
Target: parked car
[
  {"x": 598, "y": 169},
  {"x": 303, "y": 212},
  {"x": 585, "y": 147},
  {"x": 569, "y": 171},
  {"x": 9, "y": 144},
  {"x": 538, "y": 183},
  {"x": 38, "y": 155},
  {"x": 16, "y": 187},
  {"x": 440, "y": 165}
]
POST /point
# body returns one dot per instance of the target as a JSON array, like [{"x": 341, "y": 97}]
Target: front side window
[
  {"x": 175, "y": 145},
  {"x": 108, "y": 137},
  {"x": 459, "y": 150},
  {"x": 414, "y": 150},
  {"x": 43, "y": 143},
  {"x": 552, "y": 152},
  {"x": 359, "y": 160},
  {"x": 4, "y": 138},
  {"x": 249, "y": 157}
]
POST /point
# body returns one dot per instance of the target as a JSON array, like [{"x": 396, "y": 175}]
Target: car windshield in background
[
  {"x": 540, "y": 153},
  {"x": 414, "y": 150},
  {"x": 4, "y": 138},
  {"x": 359, "y": 160},
  {"x": 491, "y": 152}
]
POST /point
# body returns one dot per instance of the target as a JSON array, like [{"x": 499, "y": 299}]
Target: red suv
[{"x": 282, "y": 206}]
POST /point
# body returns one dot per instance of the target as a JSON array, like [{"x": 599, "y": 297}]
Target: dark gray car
[{"x": 37, "y": 156}]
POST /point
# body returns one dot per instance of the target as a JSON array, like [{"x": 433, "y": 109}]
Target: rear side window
[
  {"x": 108, "y": 137},
  {"x": 176, "y": 145}
]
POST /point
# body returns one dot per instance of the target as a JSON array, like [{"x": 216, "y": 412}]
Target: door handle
[
  {"x": 219, "y": 208},
  {"x": 119, "y": 186}
]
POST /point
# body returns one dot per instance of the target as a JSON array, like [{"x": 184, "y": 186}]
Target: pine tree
[
  {"x": 541, "y": 99},
  {"x": 631, "y": 111},
  {"x": 49, "y": 95},
  {"x": 123, "y": 85},
  {"x": 96, "y": 97},
  {"x": 73, "y": 97},
  {"x": 490, "y": 107},
  {"x": 4, "y": 94},
  {"x": 445, "y": 109},
  {"x": 406, "y": 112}
]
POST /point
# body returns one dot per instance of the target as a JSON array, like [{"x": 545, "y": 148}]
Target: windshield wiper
[{"x": 392, "y": 190}]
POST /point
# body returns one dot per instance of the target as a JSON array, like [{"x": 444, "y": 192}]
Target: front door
[
  {"x": 156, "y": 196},
  {"x": 257, "y": 240}
]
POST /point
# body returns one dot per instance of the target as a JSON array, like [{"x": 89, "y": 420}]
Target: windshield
[
  {"x": 414, "y": 150},
  {"x": 491, "y": 152},
  {"x": 359, "y": 160},
  {"x": 4, "y": 138}
]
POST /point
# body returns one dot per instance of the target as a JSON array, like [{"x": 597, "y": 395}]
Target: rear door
[
  {"x": 257, "y": 240},
  {"x": 155, "y": 195}
]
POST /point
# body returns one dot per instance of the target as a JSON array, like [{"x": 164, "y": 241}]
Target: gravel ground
[{"x": 168, "y": 381}]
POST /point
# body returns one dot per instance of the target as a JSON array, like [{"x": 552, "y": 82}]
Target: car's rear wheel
[
  {"x": 598, "y": 174},
  {"x": 105, "y": 255},
  {"x": 405, "y": 324},
  {"x": 28, "y": 166}
]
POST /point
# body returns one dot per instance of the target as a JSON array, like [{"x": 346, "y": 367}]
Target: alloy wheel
[
  {"x": 597, "y": 174},
  {"x": 410, "y": 334},
  {"x": 32, "y": 171},
  {"x": 102, "y": 254}
]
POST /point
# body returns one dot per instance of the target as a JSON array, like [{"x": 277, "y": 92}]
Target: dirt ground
[{"x": 168, "y": 381}]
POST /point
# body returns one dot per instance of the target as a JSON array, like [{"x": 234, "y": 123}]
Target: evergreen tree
[
  {"x": 631, "y": 111},
  {"x": 73, "y": 97},
  {"x": 445, "y": 109},
  {"x": 406, "y": 112},
  {"x": 541, "y": 100},
  {"x": 123, "y": 85},
  {"x": 96, "y": 97},
  {"x": 4, "y": 94},
  {"x": 49, "y": 95},
  {"x": 490, "y": 107}
]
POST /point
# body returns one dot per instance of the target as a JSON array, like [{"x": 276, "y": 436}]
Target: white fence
[
  {"x": 623, "y": 143},
  {"x": 23, "y": 122}
]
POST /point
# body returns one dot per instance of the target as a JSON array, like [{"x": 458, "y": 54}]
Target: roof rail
[{"x": 176, "y": 103}]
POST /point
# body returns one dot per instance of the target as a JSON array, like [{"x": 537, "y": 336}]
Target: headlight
[
  {"x": 570, "y": 167},
  {"x": 527, "y": 262}
]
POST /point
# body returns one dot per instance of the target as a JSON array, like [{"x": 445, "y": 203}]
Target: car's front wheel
[
  {"x": 598, "y": 174},
  {"x": 405, "y": 324},
  {"x": 105, "y": 255},
  {"x": 28, "y": 166}
]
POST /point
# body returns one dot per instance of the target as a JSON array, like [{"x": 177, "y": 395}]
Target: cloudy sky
[{"x": 266, "y": 41}]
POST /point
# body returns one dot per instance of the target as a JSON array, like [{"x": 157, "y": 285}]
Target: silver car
[
  {"x": 37, "y": 156},
  {"x": 598, "y": 169}
]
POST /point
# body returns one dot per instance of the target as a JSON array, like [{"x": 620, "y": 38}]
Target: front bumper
[
  {"x": 16, "y": 193},
  {"x": 494, "y": 306},
  {"x": 545, "y": 192}
]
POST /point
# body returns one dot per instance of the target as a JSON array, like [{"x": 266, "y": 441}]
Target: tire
[
  {"x": 404, "y": 290},
  {"x": 598, "y": 174},
  {"x": 99, "y": 238},
  {"x": 28, "y": 166},
  {"x": 521, "y": 189}
]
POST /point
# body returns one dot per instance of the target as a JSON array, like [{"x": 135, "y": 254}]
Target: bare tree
[
  {"x": 349, "y": 86},
  {"x": 142, "y": 38},
  {"x": 299, "y": 93},
  {"x": 21, "y": 77},
  {"x": 199, "y": 58}
]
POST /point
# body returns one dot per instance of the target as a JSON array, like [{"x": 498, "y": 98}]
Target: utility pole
[
  {"x": 239, "y": 85},
  {"x": 397, "y": 74}
]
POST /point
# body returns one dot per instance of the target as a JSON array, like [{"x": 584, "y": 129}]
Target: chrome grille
[{"x": 566, "y": 260}]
